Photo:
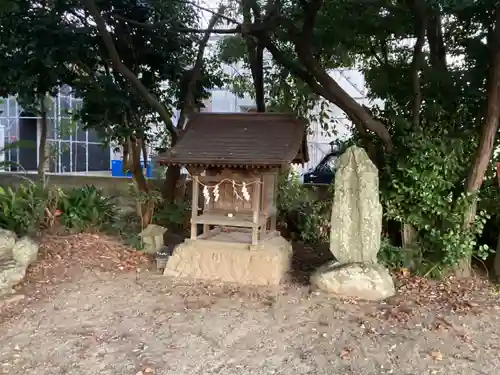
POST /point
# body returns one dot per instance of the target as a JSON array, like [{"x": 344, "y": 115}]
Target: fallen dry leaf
[
  {"x": 464, "y": 296},
  {"x": 405, "y": 272},
  {"x": 436, "y": 355},
  {"x": 60, "y": 254},
  {"x": 346, "y": 353}
]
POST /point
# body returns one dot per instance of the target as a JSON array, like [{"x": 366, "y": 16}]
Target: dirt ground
[{"x": 120, "y": 321}]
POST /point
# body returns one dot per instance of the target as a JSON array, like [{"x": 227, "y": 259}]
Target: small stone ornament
[{"x": 152, "y": 236}]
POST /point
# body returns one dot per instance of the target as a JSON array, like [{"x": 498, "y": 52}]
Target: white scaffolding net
[{"x": 71, "y": 149}]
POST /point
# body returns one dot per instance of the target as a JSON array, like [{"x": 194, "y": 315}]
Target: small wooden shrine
[{"x": 234, "y": 160}]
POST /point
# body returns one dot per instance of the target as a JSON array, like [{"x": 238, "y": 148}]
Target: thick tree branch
[
  {"x": 269, "y": 23},
  {"x": 291, "y": 65},
  {"x": 117, "y": 64},
  {"x": 186, "y": 30},
  {"x": 418, "y": 60},
  {"x": 331, "y": 90},
  {"x": 219, "y": 14},
  {"x": 435, "y": 39},
  {"x": 255, "y": 54},
  {"x": 489, "y": 128},
  {"x": 311, "y": 10},
  {"x": 189, "y": 100}
]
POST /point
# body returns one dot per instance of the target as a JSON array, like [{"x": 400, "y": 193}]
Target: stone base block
[
  {"x": 368, "y": 281},
  {"x": 231, "y": 262},
  {"x": 11, "y": 273}
]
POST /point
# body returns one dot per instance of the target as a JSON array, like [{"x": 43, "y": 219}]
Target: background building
[
  {"x": 73, "y": 149},
  {"x": 79, "y": 151}
]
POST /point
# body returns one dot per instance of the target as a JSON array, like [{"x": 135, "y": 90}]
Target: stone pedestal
[
  {"x": 366, "y": 281},
  {"x": 232, "y": 262}
]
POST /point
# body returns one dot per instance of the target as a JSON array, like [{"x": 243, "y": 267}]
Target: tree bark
[
  {"x": 145, "y": 209},
  {"x": 418, "y": 60},
  {"x": 42, "y": 147},
  {"x": 170, "y": 184},
  {"x": 435, "y": 39},
  {"x": 144, "y": 150},
  {"x": 256, "y": 55},
  {"x": 487, "y": 134},
  {"x": 409, "y": 234},
  {"x": 255, "y": 52}
]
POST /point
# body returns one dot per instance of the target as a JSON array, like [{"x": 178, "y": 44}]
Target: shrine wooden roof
[{"x": 240, "y": 140}]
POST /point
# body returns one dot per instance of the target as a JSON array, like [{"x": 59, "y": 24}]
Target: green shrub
[
  {"x": 300, "y": 213},
  {"x": 291, "y": 193},
  {"x": 396, "y": 257},
  {"x": 173, "y": 216},
  {"x": 22, "y": 210},
  {"x": 127, "y": 226},
  {"x": 86, "y": 208},
  {"x": 425, "y": 189}
]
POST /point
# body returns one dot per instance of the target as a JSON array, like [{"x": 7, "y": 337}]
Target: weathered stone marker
[
  {"x": 356, "y": 222},
  {"x": 356, "y": 227}
]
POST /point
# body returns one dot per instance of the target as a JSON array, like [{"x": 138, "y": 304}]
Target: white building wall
[
  {"x": 352, "y": 81},
  {"x": 2, "y": 145},
  {"x": 223, "y": 100}
]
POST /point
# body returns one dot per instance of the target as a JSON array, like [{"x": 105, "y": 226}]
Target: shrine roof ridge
[{"x": 232, "y": 140}]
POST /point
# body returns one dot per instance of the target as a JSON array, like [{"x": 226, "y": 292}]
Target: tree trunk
[
  {"x": 126, "y": 165},
  {"x": 496, "y": 263},
  {"x": 409, "y": 234},
  {"x": 170, "y": 184},
  {"x": 255, "y": 52},
  {"x": 42, "y": 148},
  {"x": 255, "y": 55},
  {"x": 144, "y": 153},
  {"x": 487, "y": 135},
  {"x": 145, "y": 207},
  {"x": 435, "y": 39}
]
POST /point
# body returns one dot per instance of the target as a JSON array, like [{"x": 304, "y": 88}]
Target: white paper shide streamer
[
  {"x": 206, "y": 194},
  {"x": 244, "y": 192},
  {"x": 245, "y": 195},
  {"x": 216, "y": 193}
]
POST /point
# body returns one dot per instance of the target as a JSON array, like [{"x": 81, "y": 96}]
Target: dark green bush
[
  {"x": 173, "y": 216},
  {"x": 22, "y": 210},
  {"x": 31, "y": 207},
  {"x": 300, "y": 214},
  {"x": 86, "y": 208}
]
